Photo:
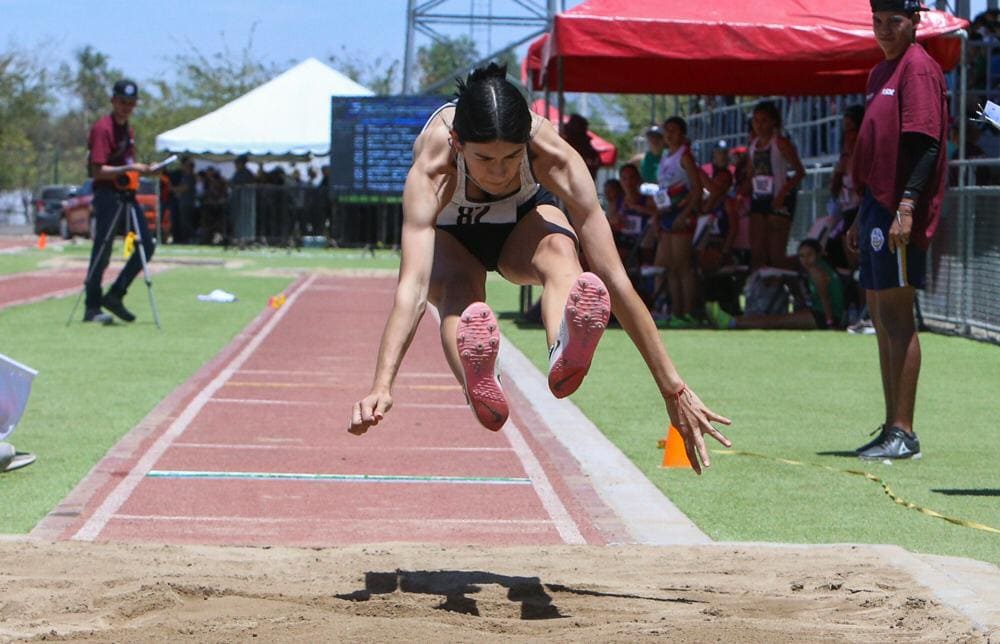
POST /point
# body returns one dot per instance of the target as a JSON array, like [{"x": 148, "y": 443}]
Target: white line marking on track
[
  {"x": 92, "y": 528},
  {"x": 301, "y": 520},
  {"x": 264, "y": 401},
  {"x": 553, "y": 505},
  {"x": 334, "y": 374},
  {"x": 339, "y": 448},
  {"x": 260, "y": 401}
]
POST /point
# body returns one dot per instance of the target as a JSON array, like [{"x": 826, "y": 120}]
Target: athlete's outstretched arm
[
  {"x": 560, "y": 169},
  {"x": 421, "y": 204}
]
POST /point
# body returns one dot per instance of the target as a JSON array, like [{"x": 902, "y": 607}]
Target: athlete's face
[
  {"x": 674, "y": 135},
  {"x": 629, "y": 178},
  {"x": 763, "y": 124},
  {"x": 894, "y": 31},
  {"x": 495, "y": 165}
]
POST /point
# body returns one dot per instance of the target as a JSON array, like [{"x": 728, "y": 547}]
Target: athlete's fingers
[
  {"x": 382, "y": 408},
  {"x": 690, "y": 450},
  {"x": 702, "y": 448},
  {"x": 357, "y": 426},
  {"x": 718, "y": 418},
  {"x": 719, "y": 436},
  {"x": 367, "y": 412}
]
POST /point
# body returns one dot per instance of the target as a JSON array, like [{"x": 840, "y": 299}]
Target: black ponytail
[{"x": 490, "y": 108}]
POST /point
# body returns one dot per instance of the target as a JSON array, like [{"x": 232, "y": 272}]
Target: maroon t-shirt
[
  {"x": 110, "y": 144},
  {"x": 904, "y": 95}
]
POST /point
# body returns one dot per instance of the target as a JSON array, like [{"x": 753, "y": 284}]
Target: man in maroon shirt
[
  {"x": 899, "y": 167},
  {"x": 112, "y": 155}
]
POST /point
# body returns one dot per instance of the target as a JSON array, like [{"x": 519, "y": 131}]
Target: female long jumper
[{"x": 481, "y": 196}]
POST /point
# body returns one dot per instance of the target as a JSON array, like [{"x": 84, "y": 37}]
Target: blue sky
[{"x": 141, "y": 36}]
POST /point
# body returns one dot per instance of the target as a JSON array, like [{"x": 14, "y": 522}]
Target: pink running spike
[
  {"x": 588, "y": 309},
  {"x": 478, "y": 327}
]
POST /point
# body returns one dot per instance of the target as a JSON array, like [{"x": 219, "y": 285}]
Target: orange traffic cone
[
  {"x": 42, "y": 241},
  {"x": 673, "y": 450}
]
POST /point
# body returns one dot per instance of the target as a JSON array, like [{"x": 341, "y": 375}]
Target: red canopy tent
[
  {"x": 607, "y": 150},
  {"x": 788, "y": 47}
]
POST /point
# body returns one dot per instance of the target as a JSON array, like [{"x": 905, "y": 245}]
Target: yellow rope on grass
[{"x": 871, "y": 477}]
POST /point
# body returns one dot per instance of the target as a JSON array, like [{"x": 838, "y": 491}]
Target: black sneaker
[
  {"x": 880, "y": 430},
  {"x": 114, "y": 304},
  {"x": 895, "y": 444},
  {"x": 99, "y": 317}
]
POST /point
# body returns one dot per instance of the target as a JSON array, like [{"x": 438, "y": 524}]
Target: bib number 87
[{"x": 470, "y": 215}]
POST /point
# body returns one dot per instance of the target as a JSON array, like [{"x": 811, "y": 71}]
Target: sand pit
[{"x": 732, "y": 593}]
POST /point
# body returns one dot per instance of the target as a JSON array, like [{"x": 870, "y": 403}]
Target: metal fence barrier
[
  {"x": 276, "y": 215},
  {"x": 963, "y": 291},
  {"x": 287, "y": 215}
]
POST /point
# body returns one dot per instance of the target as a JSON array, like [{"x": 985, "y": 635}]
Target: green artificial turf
[
  {"x": 28, "y": 259},
  {"x": 95, "y": 383},
  {"x": 811, "y": 397}
]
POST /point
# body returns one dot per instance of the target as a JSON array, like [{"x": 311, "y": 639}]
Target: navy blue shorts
[
  {"x": 667, "y": 218},
  {"x": 486, "y": 241},
  {"x": 880, "y": 268}
]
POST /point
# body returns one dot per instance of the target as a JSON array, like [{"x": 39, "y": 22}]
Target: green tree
[
  {"x": 381, "y": 75},
  {"x": 440, "y": 62},
  {"x": 209, "y": 81},
  {"x": 24, "y": 102},
  {"x": 206, "y": 82},
  {"x": 88, "y": 80}
]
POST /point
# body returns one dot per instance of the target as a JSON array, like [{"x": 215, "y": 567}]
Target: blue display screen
[{"x": 371, "y": 143}]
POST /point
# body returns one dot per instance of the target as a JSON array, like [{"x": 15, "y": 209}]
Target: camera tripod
[{"x": 129, "y": 208}]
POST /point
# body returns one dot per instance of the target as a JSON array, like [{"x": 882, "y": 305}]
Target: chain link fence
[{"x": 963, "y": 293}]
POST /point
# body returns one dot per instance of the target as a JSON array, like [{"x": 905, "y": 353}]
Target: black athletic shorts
[{"x": 485, "y": 241}]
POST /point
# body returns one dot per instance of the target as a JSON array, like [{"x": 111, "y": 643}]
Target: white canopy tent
[{"x": 287, "y": 117}]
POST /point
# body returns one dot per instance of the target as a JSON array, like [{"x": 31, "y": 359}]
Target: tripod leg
[
  {"x": 97, "y": 259},
  {"x": 145, "y": 267}
]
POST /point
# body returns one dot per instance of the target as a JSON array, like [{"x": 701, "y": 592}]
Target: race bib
[
  {"x": 632, "y": 225},
  {"x": 662, "y": 199},
  {"x": 763, "y": 185}
]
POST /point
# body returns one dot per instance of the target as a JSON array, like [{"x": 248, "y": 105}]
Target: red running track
[
  {"x": 28, "y": 287},
  {"x": 34, "y": 286},
  {"x": 254, "y": 448}
]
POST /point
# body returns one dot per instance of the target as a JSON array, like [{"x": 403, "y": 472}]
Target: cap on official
[
  {"x": 125, "y": 89},
  {"x": 903, "y": 6},
  {"x": 654, "y": 131}
]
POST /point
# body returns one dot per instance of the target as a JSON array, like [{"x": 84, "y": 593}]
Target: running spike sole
[
  {"x": 588, "y": 309},
  {"x": 478, "y": 347}
]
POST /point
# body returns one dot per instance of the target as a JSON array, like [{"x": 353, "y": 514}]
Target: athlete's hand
[
  {"x": 693, "y": 420},
  {"x": 369, "y": 411}
]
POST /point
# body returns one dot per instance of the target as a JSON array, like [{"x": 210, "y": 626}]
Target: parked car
[
  {"x": 77, "y": 210},
  {"x": 48, "y": 207}
]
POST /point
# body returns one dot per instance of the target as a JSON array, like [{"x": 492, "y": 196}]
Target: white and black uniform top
[{"x": 483, "y": 226}]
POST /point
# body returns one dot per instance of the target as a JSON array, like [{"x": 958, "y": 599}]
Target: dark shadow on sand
[{"x": 455, "y": 586}]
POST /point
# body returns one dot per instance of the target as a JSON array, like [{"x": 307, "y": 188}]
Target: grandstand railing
[
  {"x": 963, "y": 290},
  {"x": 813, "y": 123}
]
